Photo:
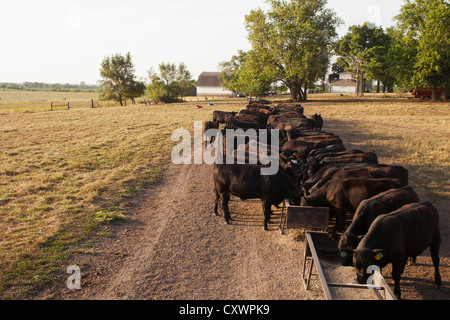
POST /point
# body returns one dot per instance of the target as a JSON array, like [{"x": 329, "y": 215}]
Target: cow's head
[
  {"x": 363, "y": 259},
  {"x": 347, "y": 242},
  {"x": 314, "y": 165}
]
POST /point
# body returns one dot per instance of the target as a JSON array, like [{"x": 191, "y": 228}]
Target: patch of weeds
[
  {"x": 297, "y": 234},
  {"x": 107, "y": 216}
]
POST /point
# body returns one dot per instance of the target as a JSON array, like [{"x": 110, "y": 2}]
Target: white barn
[
  {"x": 343, "y": 86},
  {"x": 346, "y": 84},
  {"x": 208, "y": 84}
]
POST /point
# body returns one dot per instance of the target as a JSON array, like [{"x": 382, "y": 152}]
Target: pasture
[{"x": 65, "y": 173}]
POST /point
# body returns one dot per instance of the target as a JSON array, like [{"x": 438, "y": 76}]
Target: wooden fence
[{"x": 60, "y": 104}]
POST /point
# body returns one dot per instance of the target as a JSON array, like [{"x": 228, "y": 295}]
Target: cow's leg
[
  {"x": 340, "y": 219},
  {"x": 397, "y": 269},
  {"x": 216, "y": 202},
  {"x": 226, "y": 212},
  {"x": 267, "y": 209},
  {"x": 434, "y": 249}
]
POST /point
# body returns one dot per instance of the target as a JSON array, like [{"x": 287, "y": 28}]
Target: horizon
[{"x": 69, "y": 41}]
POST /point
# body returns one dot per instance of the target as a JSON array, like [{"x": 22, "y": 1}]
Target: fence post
[
  {"x": 51, "y": 106},
  {"x": 92, "y": 103},
  {"x": 68, "y": 106}
]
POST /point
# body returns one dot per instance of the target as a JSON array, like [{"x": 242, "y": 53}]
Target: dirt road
[{"x": 171, "y": 246}]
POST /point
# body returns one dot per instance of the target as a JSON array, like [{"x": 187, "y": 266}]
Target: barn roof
[
  {"x": 209, "y": 79},
  {"x": 344, "y": 82}
]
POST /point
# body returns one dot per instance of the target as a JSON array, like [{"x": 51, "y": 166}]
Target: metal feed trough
[
  {"x": 323, "y": 252},
  {"x": 303, "y": 217}
]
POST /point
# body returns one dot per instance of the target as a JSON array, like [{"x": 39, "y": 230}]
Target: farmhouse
[
  {"x": 208, "y": 84},
  {"x": 346, "y": 84}
]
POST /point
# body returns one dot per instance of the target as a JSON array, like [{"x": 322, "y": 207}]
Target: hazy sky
[{"x": 63, "y": 41}]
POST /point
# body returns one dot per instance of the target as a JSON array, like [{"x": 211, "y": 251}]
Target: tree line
[
  {"x": 291, "y": 45},
  {"x": 41, "y": 86}
]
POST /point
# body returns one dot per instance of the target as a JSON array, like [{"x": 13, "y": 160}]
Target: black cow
[
  {"x": 366, "y": 213},
  {"x": 287, "y": 123},
  {"x": 331, "y": 148},
  {"x": 301, "y": 147},
  {"x": 260, "y": 108},
  {"x": 345, "y": 195},
  {"x": 295, "y": 133},
  {"x": 246, "y": 182},
  {"x": 260, "y": 115},
  {"x": 396, "y": 236},
  {"x": 318, "y": 121},
  {"x": 286, "y": 108},
  {"x": 355, "y": 170},
  {"x": 246, "y": 121},
  {"x": 222, "y": 116},
  {"x": 209, "y": 125},
  {"x": 313, "y": 165}
]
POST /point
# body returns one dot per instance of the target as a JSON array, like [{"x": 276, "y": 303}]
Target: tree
[
  {"x": 186, "y": 86},
  {"x": 172, "y": 82},
  {"x": 119, "y": 81},
  {"x": 254, "y": 77},
  {"x": 424, "y": 30},
  {"x": 362, "y": 51},
  {"x": 246, "y": 73},
  {"x": 230, "y": 71},
  {"x": 292, "y": 41}
]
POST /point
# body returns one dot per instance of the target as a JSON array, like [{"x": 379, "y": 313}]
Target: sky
[{"x": 64, "y": 41}]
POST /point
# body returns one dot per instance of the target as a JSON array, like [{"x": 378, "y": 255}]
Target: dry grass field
[
  {"x": 31, "y": 101},
  {"x": 65, "y": 173}
]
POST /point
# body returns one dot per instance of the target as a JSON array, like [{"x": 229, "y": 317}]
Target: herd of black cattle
[{"x": 389, "y": 223}]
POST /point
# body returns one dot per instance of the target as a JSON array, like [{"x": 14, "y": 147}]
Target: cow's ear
[{"x": 378, "y": 254}]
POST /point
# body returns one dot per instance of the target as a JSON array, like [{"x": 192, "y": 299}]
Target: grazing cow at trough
[
  {"x": 222, "y": 116},
  {"x": 260, "y": 108},
  {"x": 354, "y": 170},
  {"x": 396, "y": 236},
  {"x": 209, "y": 125},
  {"x": 328, "y": 149},
  {"x": 286, "y": 108},
  {"x": 367, "y": 211},
  {"x": 302, "y": 147},
  {"x": 287, "y": 123},
  {"x": 326, "y": 173},
  {"x": 246, "y": 122},
  {"x": 246, "y": 182},
  {"x": 304, "y": 132},
  {"x": 345, "y": 195},
  {"x": 314, "y": 165},
  {"x": 260, "y": 115}
]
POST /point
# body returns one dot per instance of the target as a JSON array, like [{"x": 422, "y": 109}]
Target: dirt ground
[{"x": 171, "y": 247}]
